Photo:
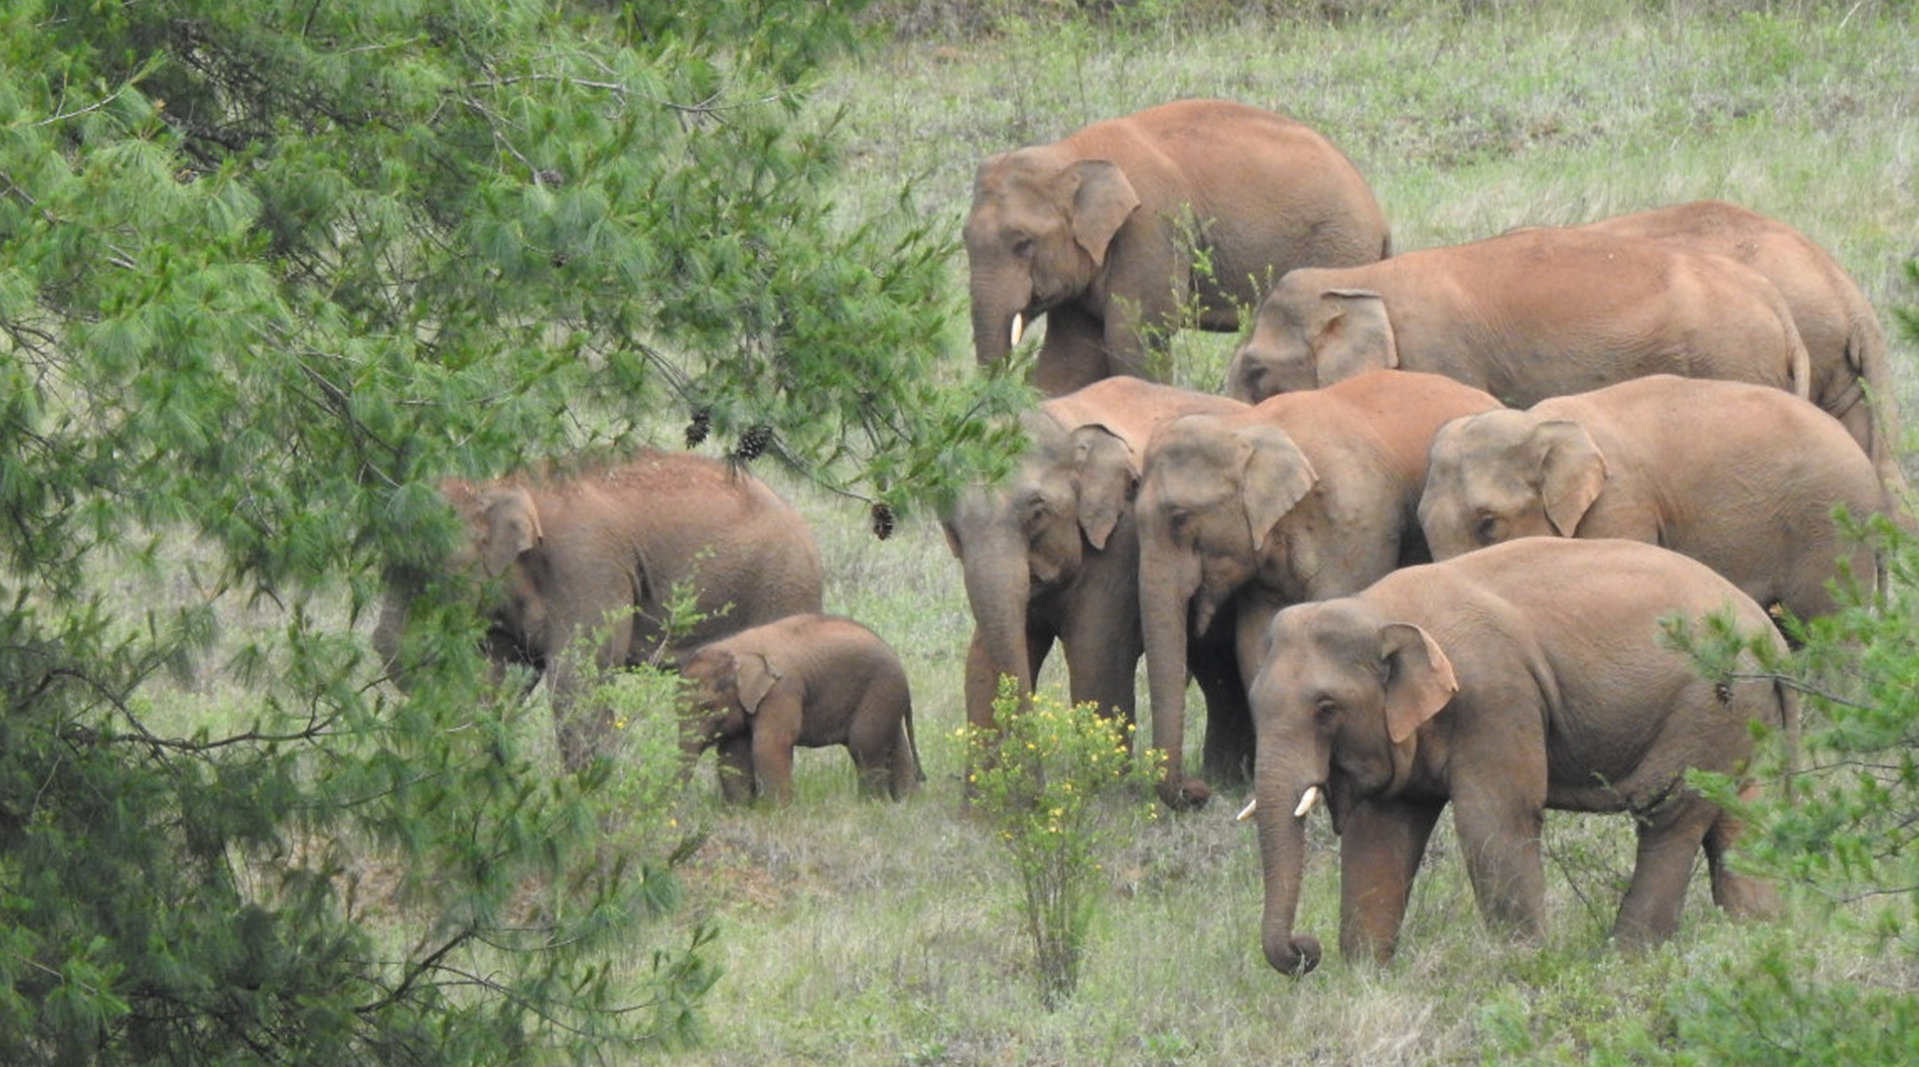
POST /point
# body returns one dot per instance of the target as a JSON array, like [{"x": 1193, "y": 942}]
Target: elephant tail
[
  {"x": 912, "y": 743},
  {"x": 1867, "y": 358},
  {"x": 1789, "y": 711}
]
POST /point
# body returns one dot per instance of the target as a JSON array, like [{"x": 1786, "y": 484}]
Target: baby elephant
[
  {"x": 811, "y": 680},
  {"x": 1740, "y": 477}
]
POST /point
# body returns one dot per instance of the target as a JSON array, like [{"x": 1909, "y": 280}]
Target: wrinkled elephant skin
[
  {"x": 600, "y": 552},
  {"x": 1845, "y": 345},
  {"x": 1740, "y": 477},
  {"x": 1517, "y": 678},
  {"x": 1526, "y": 315},
  {"x": 1098, "y": 232},
  {"x": 1051, "y": 554},
  {"x": 804, "y": 681},
  {"x": 1305, "y": 496}
]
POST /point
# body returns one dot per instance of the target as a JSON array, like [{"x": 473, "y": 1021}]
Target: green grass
[
  {"x": 857, "y": 932},
  {"x": 873, "y": 933}
]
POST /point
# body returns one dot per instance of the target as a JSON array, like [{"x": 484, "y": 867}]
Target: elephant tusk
[
  {"x": 1247, "y": 811},
  {"x": 1019, "y": 329},
  {"x": 1306, "y": 802}
]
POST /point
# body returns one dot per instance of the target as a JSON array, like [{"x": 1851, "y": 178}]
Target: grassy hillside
[{"x": 871, "y": 933}]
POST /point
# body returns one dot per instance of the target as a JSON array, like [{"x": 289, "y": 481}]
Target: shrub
[{"x": 1038, "y": 782}]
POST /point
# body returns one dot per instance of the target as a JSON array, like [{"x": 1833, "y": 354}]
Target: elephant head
[
  {"x": 728, "y": 688},
  {"x": 1309, "y": 335},
  {"x": 1028, "y": 536},
  {"x": 502, "y": 526},
  {"x": 1500, "y": 475},
  {"x": 1037, "y": 237},
  {"x": 1337, "y": 705},
  {"x": 1213, "y": 494}
]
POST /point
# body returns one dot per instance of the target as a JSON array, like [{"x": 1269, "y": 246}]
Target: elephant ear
[
  {"x": 755, "y": 677},
  {"x": 1276, "y": 477},
  {"x": 1102, "y": 200},
  {"x": 1419, "y": 679},
  {"x": 1572, "y": 472},
  {"x": 1107, "y": 480},
  {"x": 509, "y": 526},
  {"x": 1356, "y": 336}
]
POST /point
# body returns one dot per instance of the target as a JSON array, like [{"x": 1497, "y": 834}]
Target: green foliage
[
  {"x": 273, "y": 271},
  {"x": 1037, "y": 781}
]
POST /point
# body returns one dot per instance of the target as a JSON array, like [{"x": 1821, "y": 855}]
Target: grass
[
  {"x": 856, "y": 932},
  {"x": 874, "y": 933}
]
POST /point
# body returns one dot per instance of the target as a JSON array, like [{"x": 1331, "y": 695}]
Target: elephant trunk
[
  {"x": 1167, "y": 583},
  {"x": 999, "y": 318},
  {"x": 1282, "y": 848},
  {"x": 998, "y": 587}
]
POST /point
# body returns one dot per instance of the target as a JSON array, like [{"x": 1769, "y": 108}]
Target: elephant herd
[{"x": 1591, "y": 429}]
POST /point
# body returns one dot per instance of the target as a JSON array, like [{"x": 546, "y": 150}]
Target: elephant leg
[
  {"x": 1499, "y": 832},
  {"x": 1227, "y": 755},
  {"x": 1100, "y": 667},
  {"x": 905, "y": 765},
  {"x": 874, "y": 740},
  {"x": 1073, "y": 354},
  {"x": 1739, "y": 894},
  {"x": 982, "y": 675},
  {"x": 773, "y": 762},
  {"x": 776, "y": 730},
  {"x": 738, "y": 782},
  {"x": 1380, "y": 846},
  {"x": 982, "y": 685},
  {"x": 1668, "y": 841}
]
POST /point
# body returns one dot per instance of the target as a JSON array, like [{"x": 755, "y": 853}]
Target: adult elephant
[
  {"x": 1846, "y": 346},
  {"x": 1308, "y": 495},
  {"x": 597, "y": 554},
  {"x": 1521, "y": 677},
  {"x": 1740, "y": 477},
  {"x": 1051, "y": 554},
  {"x": 1101, "y": 232},
  {"x": 1526, "y": 315}
]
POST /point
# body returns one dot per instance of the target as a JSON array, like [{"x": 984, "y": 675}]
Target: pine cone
[
  {"x": 882, "y": 520},
  {"x": 754, "y": 442},
  {"x": 697, "y": 429}
]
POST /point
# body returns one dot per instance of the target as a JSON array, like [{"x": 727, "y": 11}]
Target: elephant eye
[
  {"x": 1022, "y": 246},
  {"x": 1487, "y": 529},
  {"x": 1036, "y": 512},
  {"x": 1325, "y": 710}
]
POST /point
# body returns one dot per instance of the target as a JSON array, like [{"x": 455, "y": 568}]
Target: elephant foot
[{"x": 1188, "y": 794}]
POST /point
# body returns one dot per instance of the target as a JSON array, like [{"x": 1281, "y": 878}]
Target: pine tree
[{"x": 267, "y": 273}]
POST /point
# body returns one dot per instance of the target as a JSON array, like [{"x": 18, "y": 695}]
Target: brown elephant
[
  {"x": 1740, "y": 477},
  {"x": 1521, "y": 677},
  {"x": 1851, "y": 372},
  {"x": 1051, "y": 554},
  {"x": 1097, "y": 231},
  {"x": 1306, "y": 496},
  {"x": 600, "y": 552},
  {"x": 807, "y": 680},
  {"x": 1526, "y": 315}
]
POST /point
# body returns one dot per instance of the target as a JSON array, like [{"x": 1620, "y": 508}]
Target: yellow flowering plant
[{"x": 1041, "y": 781}]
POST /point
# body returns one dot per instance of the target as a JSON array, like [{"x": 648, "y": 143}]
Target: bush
[{"x": 1038, "y": 782}]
